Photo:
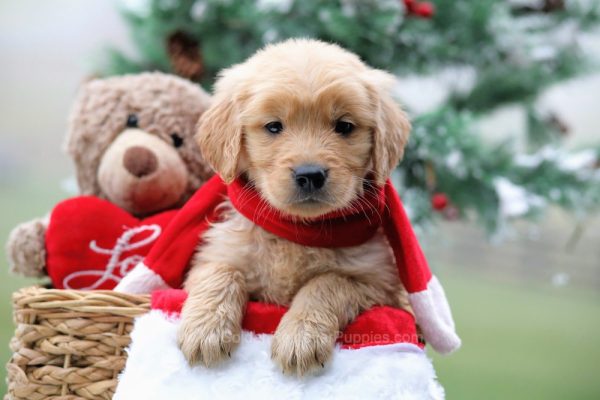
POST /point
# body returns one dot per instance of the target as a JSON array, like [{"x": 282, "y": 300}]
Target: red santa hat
[
  {"x": 166, "y": 264},
  {"x": 379, "y": 355}
]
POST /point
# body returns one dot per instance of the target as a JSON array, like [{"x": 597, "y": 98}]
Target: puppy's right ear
[
  {"x": 219, "y": 136},
  {"x": 392, "y": 129}
]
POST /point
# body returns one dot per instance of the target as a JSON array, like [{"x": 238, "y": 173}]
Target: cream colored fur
[
  {"x": 307, "y": 86},
  {"x": 157, "y": 191}
]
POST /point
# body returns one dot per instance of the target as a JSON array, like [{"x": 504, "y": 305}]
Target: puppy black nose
[{"x": 310, "y": 177}]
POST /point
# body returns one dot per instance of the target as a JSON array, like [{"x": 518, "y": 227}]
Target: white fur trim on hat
[
  {"x": 141, "y": 280},
  {"x": 433, "y": 315},
  {"x": 156, "y": 369}
]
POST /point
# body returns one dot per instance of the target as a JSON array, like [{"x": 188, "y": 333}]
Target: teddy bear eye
[
  {"x": 177, "y": 140},
  {"x": 132, "y": 121}
]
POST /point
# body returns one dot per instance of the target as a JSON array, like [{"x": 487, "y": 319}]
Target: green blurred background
[{"x": 528, "y": 309}]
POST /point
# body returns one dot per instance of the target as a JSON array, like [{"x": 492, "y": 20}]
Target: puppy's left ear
[
  {"x": 392, "y": 127},
  {"x": 219, "y": 136}
]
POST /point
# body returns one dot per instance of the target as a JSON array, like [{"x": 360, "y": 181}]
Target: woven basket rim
[{"x": 105, "y": 302}]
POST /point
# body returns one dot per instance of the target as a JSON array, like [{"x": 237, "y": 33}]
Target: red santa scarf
[{"x": 167, "y": 262}]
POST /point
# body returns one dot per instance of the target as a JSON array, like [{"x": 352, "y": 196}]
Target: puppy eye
[
  {"x": 274, "y": 127},
  {"x": 177, "y": 140},
  {"x": 343, "y": 127},
  {"x": 132, "y": 121}
]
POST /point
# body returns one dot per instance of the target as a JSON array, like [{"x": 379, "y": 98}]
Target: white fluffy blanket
[{"x": 156, "y": 369}]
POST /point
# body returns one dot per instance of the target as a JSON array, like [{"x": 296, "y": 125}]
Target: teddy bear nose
[{"x": 140, "y": 161}]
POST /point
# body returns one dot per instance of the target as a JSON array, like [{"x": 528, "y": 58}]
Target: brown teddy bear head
[{"x": 131, "y": 138}]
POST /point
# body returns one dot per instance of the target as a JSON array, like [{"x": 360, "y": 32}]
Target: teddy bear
[{"x": 130, "y": 138}]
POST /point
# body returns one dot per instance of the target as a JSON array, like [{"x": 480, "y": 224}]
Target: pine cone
[{"x": 185, "y": 56}]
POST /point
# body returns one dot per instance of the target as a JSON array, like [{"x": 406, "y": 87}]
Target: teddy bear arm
[{"x": 26, "y": 248}]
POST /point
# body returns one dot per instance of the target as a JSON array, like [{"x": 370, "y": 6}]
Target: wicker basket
[{"x": 70, "y": 344}]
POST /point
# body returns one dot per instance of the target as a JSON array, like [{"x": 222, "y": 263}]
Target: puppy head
[{"x": 306, "y": 122}]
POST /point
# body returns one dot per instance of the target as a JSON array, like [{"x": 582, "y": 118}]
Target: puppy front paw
[
  {"x": 207, "y": 342},
  {"x": 300, "y": 347}
]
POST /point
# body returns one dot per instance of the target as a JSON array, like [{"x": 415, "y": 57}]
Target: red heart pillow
[{"x": 91, "y": 243}]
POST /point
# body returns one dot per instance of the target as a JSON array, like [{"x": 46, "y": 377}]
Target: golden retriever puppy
[{"x": 311, "y": 127}]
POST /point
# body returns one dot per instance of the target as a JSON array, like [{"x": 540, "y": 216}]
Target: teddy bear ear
[
  {"x": 90, "y": 109},
  {"x": 89, "y": 78}
]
